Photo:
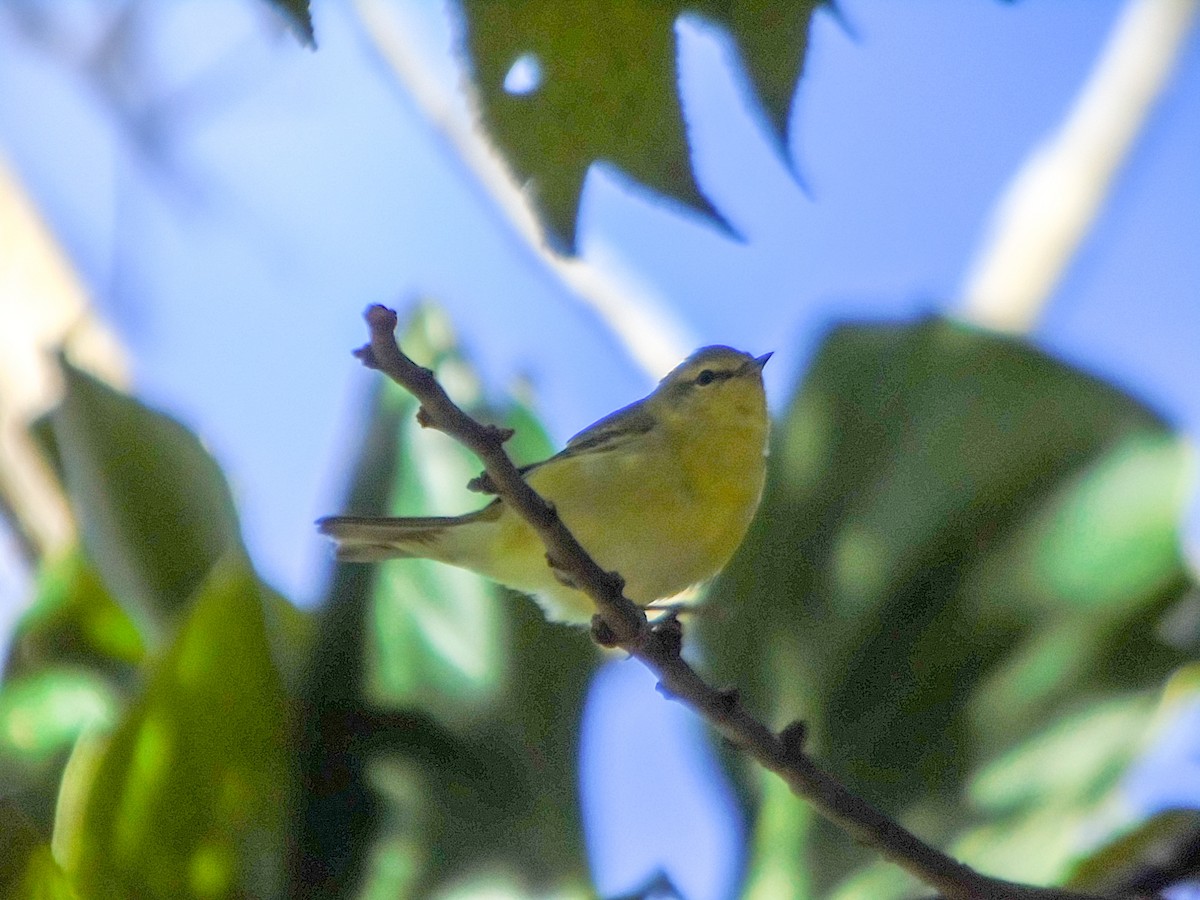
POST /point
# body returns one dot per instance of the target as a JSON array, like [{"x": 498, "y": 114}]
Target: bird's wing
[
  {"x": 610, "y": 433},
  {"x": 613, "y": 431}
]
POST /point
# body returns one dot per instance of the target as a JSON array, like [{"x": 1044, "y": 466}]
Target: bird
[{"x": 662, "y": 491}]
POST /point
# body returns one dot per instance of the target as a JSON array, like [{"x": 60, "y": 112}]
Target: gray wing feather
[
  {"x": 612, "y": 431},
  {"x": 609, "y": 433}
]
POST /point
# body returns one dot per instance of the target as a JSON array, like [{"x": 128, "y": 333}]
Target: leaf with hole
[{"x": 561, "y": 85}]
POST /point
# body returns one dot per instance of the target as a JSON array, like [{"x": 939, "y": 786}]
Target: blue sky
[{"x": 221, "y": 181}]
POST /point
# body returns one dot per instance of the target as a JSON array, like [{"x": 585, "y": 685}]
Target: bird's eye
[{"x": 708, "y": 376}]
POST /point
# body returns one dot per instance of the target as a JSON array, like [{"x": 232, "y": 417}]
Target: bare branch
[{"x": 620, "y": 623}]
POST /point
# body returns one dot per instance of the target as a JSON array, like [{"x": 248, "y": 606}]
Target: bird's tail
[{"x": 370, "y": 538}]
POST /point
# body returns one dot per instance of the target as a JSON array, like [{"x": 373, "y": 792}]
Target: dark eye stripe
[{"x": 708, "y": 376}]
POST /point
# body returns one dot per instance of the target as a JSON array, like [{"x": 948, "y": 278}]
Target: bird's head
[{"x": 715, "y": 387}]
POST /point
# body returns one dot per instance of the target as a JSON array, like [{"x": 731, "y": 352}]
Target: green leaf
[
  {"x": 1144, "y": 857},
  {"x": 187, "y": 798},
  {"x": 27, "y": 868},
  {"x": 1041, "y": 800},
  {"x": 782, "y": 821},
  {"x": 337, "y": 810},
  {"x": 1149, "y": 858},
  {"x": 41, "y": 716},
  {"x": 608, "y": 88},
  {"x": 291, "y": 633},
  {"x": 75, "y": 622},
  {"x": 154, "y": 508},
  {"x": 74, "y": 654},
  {"x": 962, "y": 540},
  {"x": 459, "y": 702}
]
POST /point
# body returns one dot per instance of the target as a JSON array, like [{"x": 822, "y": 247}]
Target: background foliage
[{"x": 966, "y": 577}]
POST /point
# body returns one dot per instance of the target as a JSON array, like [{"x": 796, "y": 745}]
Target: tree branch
[
  {"x": 620, "y": 623},
  {"x": 1053, "y": 200}
]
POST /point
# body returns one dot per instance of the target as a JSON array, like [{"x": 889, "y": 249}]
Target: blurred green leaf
[
  {"x": 291, "y": 633},
  {"x": 1144, "y": 857},
  {"x": 782, "y": 822},
  {"x": 187, "y": 797},
  {"x": 1040, "y": 801},
  {"x": 1158, "y": 853},
  {"x": 73, "y": 654},
  {"x": 74, "y": 621},
  {"x": 607, "y": 88},
  {"x": 877, "y": 881},
  {"x": 41, "y": 716},
  {"x": 459, "y": 703},
  {"x": 154, "y": 508},
  {"x": 337, "y": 811},
  {"x": 961, "y": 541},
  {"x": 27, "y": 868},
  {"x": 43, "y": 713}
]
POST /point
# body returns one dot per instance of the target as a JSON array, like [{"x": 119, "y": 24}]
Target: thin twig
[{"x": 620, "y": 623}]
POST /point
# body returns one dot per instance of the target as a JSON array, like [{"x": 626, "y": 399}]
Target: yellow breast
[{"x": 669, "y": 511}]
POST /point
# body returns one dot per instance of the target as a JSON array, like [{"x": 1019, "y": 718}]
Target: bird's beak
[{"x": 761, "y": 361}]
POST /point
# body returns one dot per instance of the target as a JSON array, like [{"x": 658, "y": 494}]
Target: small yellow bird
[{"x": 661, "y": 491}]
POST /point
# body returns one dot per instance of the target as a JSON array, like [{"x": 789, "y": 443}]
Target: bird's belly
[{"x": 648, "y": 523}]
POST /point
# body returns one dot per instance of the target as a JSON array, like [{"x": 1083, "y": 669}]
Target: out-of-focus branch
[
  {"x": 43, "y": 306},
  {"x": 652, "y": 336},
  {"x": 1047, "y": 210},
  {"x": 621, "y": 624}
]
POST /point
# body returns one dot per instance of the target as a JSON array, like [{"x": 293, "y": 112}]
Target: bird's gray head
[
  {"x": 709, "y": 365},
  {"x": 712, "y": 385}
]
